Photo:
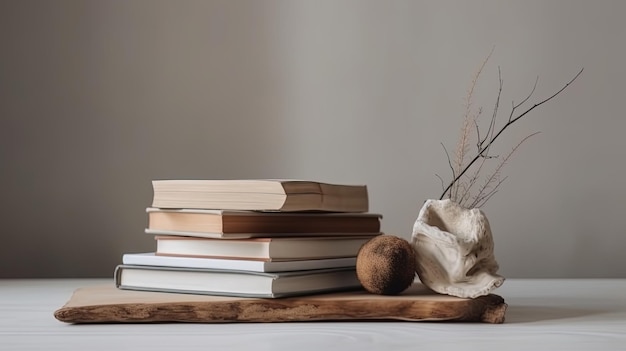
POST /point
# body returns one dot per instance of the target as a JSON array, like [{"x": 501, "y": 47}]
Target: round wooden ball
[{"x": 385, "y": 265}]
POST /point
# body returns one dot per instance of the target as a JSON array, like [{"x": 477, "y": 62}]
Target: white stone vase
[{"x": 454, "y": 250}]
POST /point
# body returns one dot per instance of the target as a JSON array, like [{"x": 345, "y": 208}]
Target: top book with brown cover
[{"x": 260, "y": 195}]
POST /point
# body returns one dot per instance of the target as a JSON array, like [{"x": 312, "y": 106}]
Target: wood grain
[{"x": 107, "y": 304}]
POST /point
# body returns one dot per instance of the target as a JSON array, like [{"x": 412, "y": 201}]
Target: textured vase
[{"x": 454, "y": 250}]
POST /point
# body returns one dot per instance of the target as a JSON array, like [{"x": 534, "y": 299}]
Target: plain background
[{"x": 97, "y": 98}]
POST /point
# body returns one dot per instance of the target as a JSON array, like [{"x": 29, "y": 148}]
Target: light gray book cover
[{"x": 238, "y": 283}]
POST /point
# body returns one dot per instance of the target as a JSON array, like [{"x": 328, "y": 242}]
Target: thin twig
[
  {"x": 532, "y": 91},
  {"x": 449, "y": 161},
  {"x": 496, "y": 174},
  {"x": 480, "y": 141},
  {"x": 463, "y": 143},
  {"x": 490, "y": 194},
  {"x": 441, "y": 179},
  {"x": 494, "y": 115}
]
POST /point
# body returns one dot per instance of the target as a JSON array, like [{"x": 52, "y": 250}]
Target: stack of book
[{"x": 256, "y": 238}]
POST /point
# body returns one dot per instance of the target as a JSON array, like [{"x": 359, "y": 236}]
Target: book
[
  {"x": 234, "y": 283},
  {"x": 223, "y": 223},
  {"x": 260, "y": 195},
  {"x": 151, "y": 259},
  {"x": 264, "y": 249}
]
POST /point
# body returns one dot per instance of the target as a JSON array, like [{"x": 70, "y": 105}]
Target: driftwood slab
[{"x": 107, "y": 304}]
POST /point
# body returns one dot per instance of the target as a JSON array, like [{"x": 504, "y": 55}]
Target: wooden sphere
[{"x": 385, "y": 265}]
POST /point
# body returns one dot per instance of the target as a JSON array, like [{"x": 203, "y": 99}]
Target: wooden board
[{"x": 107, "y": 304}]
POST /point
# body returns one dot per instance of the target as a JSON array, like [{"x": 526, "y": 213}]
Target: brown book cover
[{"x": 254, "y": 222}]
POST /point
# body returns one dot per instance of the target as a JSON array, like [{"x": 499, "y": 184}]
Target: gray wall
[{"x": 97, "y": 98}]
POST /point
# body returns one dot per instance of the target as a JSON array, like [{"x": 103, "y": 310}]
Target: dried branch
[{"x": 484, "y": 148}]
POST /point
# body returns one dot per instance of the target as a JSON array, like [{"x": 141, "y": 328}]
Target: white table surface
[{"x": 560, "y": 314}]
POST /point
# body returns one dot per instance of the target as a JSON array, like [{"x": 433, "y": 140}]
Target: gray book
[
  {"x": 151, "y": 259},
  {"x": 233, "y": 282}
]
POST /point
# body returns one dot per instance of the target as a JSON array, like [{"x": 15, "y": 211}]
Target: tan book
[
  {"x": 264, "y": 249},
  {"x": 241, "y": 224},
  {"x": 260, "y": 195}
]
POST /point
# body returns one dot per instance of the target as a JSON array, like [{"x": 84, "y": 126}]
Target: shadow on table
[{"x": 529, "y": 314}]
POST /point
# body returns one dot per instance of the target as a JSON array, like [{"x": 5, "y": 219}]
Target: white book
[
  {"x": 151, "y": 259},
  {"x": 235, "y": 283},
  {"x": 266, "y": 249}
]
